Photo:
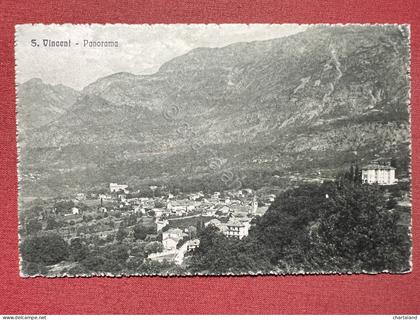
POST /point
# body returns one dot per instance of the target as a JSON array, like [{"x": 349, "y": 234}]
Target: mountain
[
  {"x": 39, "y": 103},
  {"x": 305, "y": 105}
]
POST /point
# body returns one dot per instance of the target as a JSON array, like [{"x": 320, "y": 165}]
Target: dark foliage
[
  {"x": 121, "y": 234},
  {"x": 47, "y": 250},
  {"x": 141, "y": 231},
  {"x": 336, "y": 226},
  {"x": 33, "y": 226},
  {"x": 78, "y": 249}
]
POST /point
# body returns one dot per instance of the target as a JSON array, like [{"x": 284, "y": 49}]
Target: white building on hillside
[
  {"x": 382, "y": 174},
  {"x": 171, "y": 238},
  {"x": 237, "y": 229},
  {"x": 115, "y": 187}
]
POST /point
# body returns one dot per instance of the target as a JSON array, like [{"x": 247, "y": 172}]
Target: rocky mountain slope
[
  {"x": 304, "y": 104},
  {"x": 39, "y": 103}
]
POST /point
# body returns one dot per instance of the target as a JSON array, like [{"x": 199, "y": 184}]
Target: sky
[{"x": 142, "y": 48}]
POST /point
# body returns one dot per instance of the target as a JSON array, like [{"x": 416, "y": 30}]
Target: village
[
  {"x": 167, "y": 225},
  {"x": 169, "y": 220}
]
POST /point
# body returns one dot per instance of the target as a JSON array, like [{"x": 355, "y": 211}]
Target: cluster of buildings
[
  {"x": 100, "y": 216},
  {"x": 176, "y": 243},
  {"x": 231, "y": 212}
]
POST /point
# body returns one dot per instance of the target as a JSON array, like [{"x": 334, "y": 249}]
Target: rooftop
[
  {"x": 234, "y": 223},
  {"x": 375, "y": 166},
  {"x": 194, "y": 242}
]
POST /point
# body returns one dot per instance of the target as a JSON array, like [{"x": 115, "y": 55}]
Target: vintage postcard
[{"x": 227, "y": 149}]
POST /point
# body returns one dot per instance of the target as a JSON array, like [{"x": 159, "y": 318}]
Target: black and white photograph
[{"x": 213, "y": 149}]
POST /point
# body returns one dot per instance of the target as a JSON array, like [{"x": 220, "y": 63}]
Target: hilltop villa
[{"x": 380, "y": 173}]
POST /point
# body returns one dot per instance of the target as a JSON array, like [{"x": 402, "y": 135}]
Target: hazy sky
[{"x": 142, "y": 48}]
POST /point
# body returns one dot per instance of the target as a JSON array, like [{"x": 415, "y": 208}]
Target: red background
[{"x": 384, "y": 294}]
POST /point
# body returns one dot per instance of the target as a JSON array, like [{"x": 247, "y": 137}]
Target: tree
[
  {"x": 63, "y": 206},
  {"x": 192, "y": 231},
  {"x": 48, "y": 250},
  {"x": 138, "y": 251},
  {"x": 37, "y": 209},
  {"x": 131, "y": 220},
  {"x": 87, "y": 218},
  {"x": 200, "y": 225},
  {"x": 166, "y": 228},
  {"x": 94, "y": 263},
  {"x": 140, "y": 232},
  {"x": 33, "y": 227},
  {"x": 117, "y": 252},
  {"x": 110, "y": 238},
  {"x": 153, "y": 267},
  {"x": 77, "y": 270},
  {"x": 32, "y": 269},
  {"x": 354, "y": 174},
  {"x": 153, "y": 188},
  {"x": 391, "y": 203},
  {"x": 52, "y": 224},
  {"x": 218, "y": 254},
  {"x": 134, "y": 264},
  {"x": 153, "y": 247},
  {"x": 160, "y": 204},
  {"x": 121, "y": 234},
  {"x": 356, "y": 232},
  {"x": 287, "y": 219},
  {"x": 78, "y": 249}
]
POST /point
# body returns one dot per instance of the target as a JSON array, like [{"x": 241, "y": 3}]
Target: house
[
  {"x": 380, "y": 173},
  {"x": 115, "y": 187},
  {"x": 139, "y": 209},
  {"x": 147, "y": 203},
  {"x": 104, "y": 197},
  {"x": 214, "y": 222},
  {"x": 193, "y": 244},
  {"x": 71, "y": 217},
  {"x": 195, "y": 196},
  {"x": 160, "y": 224},
  {"x": 247, "y": 191},
  {"x": 157, "y": 212},
  {"x": 75, "y": 210},
  {"x": 135, "y": 201},
  {"x": 221, "y": 209},
  {"x": 181, "y": 205},
  {"x": 241, "y": 211},
  {"x": 172, "y": 232},
  {"x": 218, "y": 224},
  {"x": 237, "y": 228},
  {"x": 189, "y": 245},
  {"x": 170, "y": 243},
  {"x": 102, "y": 210},
  {"x": 216, "y": 195},
  {"x": 271, "y": 197},
  {"x": 171, "y": 238},
  {"x": 80, "y": 196}
]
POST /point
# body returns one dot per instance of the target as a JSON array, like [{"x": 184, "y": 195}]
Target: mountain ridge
[{"x": 319, "y": 93}]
